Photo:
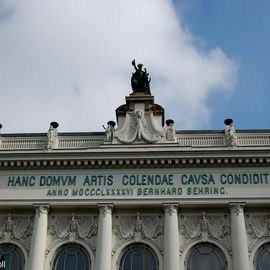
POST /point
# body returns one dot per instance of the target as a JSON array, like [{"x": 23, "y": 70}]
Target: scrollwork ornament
[{"x": 139, "y": 126}]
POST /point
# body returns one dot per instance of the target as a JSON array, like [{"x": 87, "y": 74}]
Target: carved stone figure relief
[
  {"x": 204, "y": 227},
  {"x": 136, "y": 228},
  {"x": 258, "y": 229},
  {"x": 16, "y": 228},
  {"x": 72, "y": 227}
]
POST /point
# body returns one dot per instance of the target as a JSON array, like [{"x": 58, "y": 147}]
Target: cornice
[
  {"x": 166, "y": 156},
  {"x": 135, "y": 162}
]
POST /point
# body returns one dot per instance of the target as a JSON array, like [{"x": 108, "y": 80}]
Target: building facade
[{"x": 138, "y": 196}]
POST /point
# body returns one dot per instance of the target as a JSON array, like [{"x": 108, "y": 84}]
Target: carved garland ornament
[
  {"x": 63, "y": 228},
  {"x": 17, "y": 228},
  {"x": 258, "y": 229},
  {"x": 214, "y": 227},
  {"x": 137, "y": 228}
]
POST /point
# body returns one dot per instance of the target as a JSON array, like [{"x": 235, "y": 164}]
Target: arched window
[
  {"x": 11, "y": 257},
  {"x": 138, "y": 257},
  {"x": 262, "y": 258},
  {"x": 206, "y": 256},
  {"x": 71, "y": 257}
]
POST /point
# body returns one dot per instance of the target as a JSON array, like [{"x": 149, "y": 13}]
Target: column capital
[
  {"x": 42, "y": 209},
  {"x": 237, "y": 207},
  {"x": 170, "y": 208},
  {"x": 105, "y": 208}
]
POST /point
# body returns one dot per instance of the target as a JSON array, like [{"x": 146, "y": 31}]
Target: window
[
  {"x": 206, "y": 256},
  {"x": 262, "y": 258},
  {"x": 138, "y": 257},
  {"x": 11, "y": 257},
  {"x": 71, "y": 257}
]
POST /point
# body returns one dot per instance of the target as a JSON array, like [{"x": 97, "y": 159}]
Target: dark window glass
[
  {"x": 138, "y": 257},
  {"x": 71, "y": 257},
  {"x": 11, "y": 257},
  {"x": 262, "y": 258},
  {"x": 207, "y": 257}
]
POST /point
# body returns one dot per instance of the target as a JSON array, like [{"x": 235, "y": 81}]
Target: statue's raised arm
[{"x": 134, "y": 64}]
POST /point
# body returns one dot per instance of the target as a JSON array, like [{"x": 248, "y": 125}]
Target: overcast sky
[{"x": 70, "y": 61}]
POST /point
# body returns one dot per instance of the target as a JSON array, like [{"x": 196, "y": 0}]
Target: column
[
  {"x": 39, "y": 237},
  {"x": 104, "y": 238},
  {"x": 171, "y": 238},
  {"x": 239, "y": 237}
]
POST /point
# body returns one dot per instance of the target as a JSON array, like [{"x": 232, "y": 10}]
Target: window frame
[
  {"x": 217, "y": 250},
  {"x": 127, "y": 249},
  {"x": 258, "y": 251},
  {"x": 18, "y": 250},
  {"x": 62, "y": 248}
]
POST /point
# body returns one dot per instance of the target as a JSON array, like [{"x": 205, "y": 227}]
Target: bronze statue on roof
[{"x": 140, "y": 82}]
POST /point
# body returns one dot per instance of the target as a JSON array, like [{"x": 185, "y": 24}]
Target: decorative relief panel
[
  {"x": 63, "y": 228},
  {"x": 139, "y": 126},
  {"x": 258, "y": 229},
  {"x": 17, "y": 228},
  {"x": 204, "y": 227},
  {"x": 137, "y": 228}
]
